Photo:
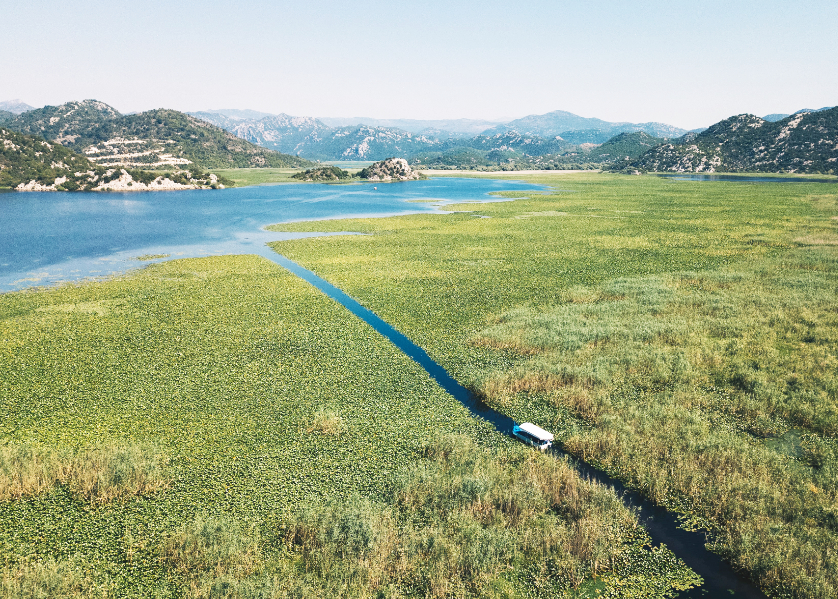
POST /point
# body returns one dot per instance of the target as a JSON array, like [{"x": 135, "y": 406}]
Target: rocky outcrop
[
  {"x": 323, "y": 174},
  {"x": 391, "y": 169}
]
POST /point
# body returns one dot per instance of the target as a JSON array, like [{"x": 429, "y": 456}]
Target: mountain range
[
  {"x": 155, "y": 138},
  {"x": 805, "y": 142},
  {"x": 317, "y": 139}
]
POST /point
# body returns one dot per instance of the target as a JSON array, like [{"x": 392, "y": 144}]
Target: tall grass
[
  {"x": 686, "y": 381},
  {"x": 98, "y": 475},
  {"x": 50, "y": 579},
  {"x": 465, "y": 522}
]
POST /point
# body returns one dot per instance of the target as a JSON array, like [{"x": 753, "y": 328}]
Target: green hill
[
  {"x": 31, "y": 163},
  {"x": 152, "y": 139},
  {"x": 625, "y": 146},
  {"x": 806, "y": 142}
]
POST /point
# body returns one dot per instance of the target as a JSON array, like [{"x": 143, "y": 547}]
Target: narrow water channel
[{"x": 720, "y": 580}]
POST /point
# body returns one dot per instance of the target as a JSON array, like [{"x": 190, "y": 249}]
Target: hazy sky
[{"x": 688, "y": 64}]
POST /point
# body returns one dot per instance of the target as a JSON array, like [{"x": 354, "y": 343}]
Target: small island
[{"x": 390, "y": 169}]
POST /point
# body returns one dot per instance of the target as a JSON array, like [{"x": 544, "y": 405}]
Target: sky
[{"x": 688, "y": 64}]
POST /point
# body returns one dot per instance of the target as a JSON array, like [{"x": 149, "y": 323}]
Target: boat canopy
[{"x": 536, "y": 431}]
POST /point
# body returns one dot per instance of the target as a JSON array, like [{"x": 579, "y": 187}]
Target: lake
[{"x": 48, "y": 237}]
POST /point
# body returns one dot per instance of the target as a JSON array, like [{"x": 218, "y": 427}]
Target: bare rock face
[{"x": 391, "y": 169}]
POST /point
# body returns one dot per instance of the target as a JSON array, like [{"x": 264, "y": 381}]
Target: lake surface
[
  {"x": 48, "y": 237},
  {"x": 745, "y": 178}
]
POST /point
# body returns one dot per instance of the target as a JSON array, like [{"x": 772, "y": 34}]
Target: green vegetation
[
  {"x": 680, "y": 335},
  {"x": 52, "y": 167},
  {"x": 25, "y": 158},
  {"x": 242, "y": 177},
  {"x": 272, "y": 426},
  {"x": 323, "y": 174}
]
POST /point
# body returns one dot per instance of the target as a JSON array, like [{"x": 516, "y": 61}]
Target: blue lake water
[{"x": 49, "y": 237}]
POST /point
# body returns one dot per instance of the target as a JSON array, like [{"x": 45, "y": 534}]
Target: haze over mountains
[{"x": 348, "y": 139}]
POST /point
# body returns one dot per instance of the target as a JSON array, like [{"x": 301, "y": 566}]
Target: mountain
[
  {"x": 15, "y": 106},
  {"x": 366, "y": 143},
  {"x": 576, "y": 129},
  {"x": 529, "y": 145},
  {"x": 155, "y": 138},
  {"x": 805, "y": 142},
  {"x": 5, "y": 115},
  {"x": 446, "y": 127},
  {"x": 310, "y": 137},
  {"x": 66, "y": 124},
  {"x": 281, "y": 132},
  {"x": 239, "y": 114},
  {"x": 532, "y": 136}
]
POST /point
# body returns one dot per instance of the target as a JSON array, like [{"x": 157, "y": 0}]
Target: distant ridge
[
  {"x": 239, "y": 114},
  {"x": 577, "y": 129},
  {"x": 445, "y": 127},
  {"x": 15, "y": 106},
  {"x": 773, "y": 118}
]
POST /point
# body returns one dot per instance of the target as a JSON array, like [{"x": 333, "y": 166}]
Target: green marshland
[{"x": 217, "y": 428}]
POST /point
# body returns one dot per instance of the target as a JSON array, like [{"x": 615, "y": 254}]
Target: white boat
[{"x": 533, "y": 435}]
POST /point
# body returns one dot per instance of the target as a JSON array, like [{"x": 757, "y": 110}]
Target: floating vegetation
[{"x": 149, "y": 257}]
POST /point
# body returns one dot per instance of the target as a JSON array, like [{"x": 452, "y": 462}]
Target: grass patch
[
  {"x": 242, "y": 177},
  {"x": 98, "y": 475},
  {"x": 69, "y": 579}
]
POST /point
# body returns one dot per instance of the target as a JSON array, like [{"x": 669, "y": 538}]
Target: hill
[
  {"x": 323, "y": 174},
  {"x": 156, "y": 138},
  {"x": 806, "y": 142}
]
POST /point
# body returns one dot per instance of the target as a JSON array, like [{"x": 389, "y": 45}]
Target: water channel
[{"x": 52, "y": 237}]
